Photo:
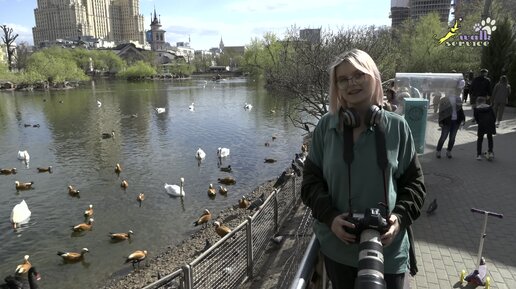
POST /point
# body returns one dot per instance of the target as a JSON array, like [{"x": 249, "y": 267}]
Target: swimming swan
[
  {"x": 20, "y": 214},
  {"x": 175, "y": 190}
]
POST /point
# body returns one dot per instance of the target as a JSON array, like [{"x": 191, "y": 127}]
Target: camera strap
[{"x": 381, "y": 153}]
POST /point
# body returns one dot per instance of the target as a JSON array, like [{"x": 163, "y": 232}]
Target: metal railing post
[
  {"x": 187, "y": 273},
  {"x": 249, "y": 239},
  {"x": 276, "y": 216}
]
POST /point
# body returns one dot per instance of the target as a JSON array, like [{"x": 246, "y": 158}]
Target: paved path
[{"x": 448, "y": 241}]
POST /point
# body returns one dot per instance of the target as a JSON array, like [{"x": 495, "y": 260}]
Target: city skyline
[{"x": 236, "y": 21}]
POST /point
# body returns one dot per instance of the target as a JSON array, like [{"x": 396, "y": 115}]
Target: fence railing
[{"x": 230, "y": 261}]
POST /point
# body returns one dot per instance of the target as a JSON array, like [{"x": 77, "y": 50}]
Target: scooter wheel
[
  {"x": 488, "y": 282},
  {"x": 462, "y": 276}
]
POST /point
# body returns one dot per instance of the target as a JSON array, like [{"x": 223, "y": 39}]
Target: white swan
[
  {"x": 175, "y": 190},
  {"x": 160, "y": 110},
  {"x": 20, "y": 214},
  {"x": 191, "y": 107},
  {"x": 222, "y": 152},
  {"x": 247, "y": 106},
  {"x": 200, "y": 154},
  {"x": 24, "y": 156}
]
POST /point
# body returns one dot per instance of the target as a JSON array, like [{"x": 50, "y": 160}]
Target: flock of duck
[{"x": 21, "y": 213}]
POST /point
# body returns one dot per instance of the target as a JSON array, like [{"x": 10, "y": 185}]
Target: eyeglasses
[{"x": 357, "y": 78}]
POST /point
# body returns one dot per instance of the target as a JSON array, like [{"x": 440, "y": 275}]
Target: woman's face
[{"x": 355, "y": 86}]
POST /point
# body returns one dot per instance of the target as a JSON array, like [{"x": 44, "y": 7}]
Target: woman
[
  {"x": 501, "y": 93},
  {"x": 332, "y": 185},
  {"x": 451, "y": 117}
]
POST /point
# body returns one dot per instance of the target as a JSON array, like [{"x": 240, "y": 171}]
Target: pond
[{"x": 63, "y": 129}]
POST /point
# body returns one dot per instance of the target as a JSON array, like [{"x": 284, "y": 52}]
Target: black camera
[
  {"x": 369, "y": 227},
  {"x": 371, "y": 219}
]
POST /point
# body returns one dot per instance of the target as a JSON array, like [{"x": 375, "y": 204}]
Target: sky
[{"x": 237, "y": 22}]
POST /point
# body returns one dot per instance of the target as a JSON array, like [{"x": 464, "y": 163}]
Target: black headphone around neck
[{"x": 351, "y": 118}]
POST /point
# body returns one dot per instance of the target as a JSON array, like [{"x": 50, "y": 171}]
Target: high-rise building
[
  {"x": 111, "y": 20},
  {"x": 414, "y": 9},
  {"x": 311, "y": 35}
]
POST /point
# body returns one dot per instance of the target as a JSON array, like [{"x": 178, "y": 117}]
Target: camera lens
[{"x": 370, "y": 261}]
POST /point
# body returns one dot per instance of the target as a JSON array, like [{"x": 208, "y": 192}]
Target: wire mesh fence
[{"x": 230, "y": 261}]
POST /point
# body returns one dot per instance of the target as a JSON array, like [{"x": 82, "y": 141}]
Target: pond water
[{"x": 153, "y": 149}]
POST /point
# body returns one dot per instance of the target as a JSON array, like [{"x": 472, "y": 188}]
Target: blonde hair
[{"x": 363, "y": 62}]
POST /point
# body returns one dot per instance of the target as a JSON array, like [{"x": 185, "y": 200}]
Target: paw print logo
[{"x": 488, "y": 25}]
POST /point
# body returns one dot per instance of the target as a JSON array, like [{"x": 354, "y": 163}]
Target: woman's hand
[
  {"x": 337, "y": 227},
  {"x": 394, "y": 228}
]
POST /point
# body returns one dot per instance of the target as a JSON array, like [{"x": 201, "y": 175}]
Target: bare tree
[{"x": 8, "y": 39}]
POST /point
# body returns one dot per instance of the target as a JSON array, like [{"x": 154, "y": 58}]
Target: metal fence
[{"x": 231, "y": 261}]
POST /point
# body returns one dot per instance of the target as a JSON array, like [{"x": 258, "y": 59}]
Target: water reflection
[{"x": 152, "y": 148}]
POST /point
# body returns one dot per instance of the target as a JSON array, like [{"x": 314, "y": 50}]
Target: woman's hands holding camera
[
  {"x": 394, "y": 228},
  {"x": 338, "y": 226}
]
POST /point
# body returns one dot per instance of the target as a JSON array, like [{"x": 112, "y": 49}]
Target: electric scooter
[{"x": 479, "y": 276}]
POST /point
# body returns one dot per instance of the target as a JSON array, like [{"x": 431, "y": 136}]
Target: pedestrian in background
[
  {"x": 451, "y": 117},
  {"x": 485, "y": 118},
  {"x": 467, "y": 86},
  {"x": 501, "y": 93},
  {"x": 356, "y": 122},
  {"x": 480, "y": 87}
]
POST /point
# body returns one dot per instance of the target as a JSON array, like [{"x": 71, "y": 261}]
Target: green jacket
[{"x": 325, "y": 185}]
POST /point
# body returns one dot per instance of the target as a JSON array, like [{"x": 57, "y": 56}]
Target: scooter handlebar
[{"x": 487, "y": 212}]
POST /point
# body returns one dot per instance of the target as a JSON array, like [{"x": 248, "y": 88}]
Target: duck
[
  {"x": 203, "y": 219},
  {"x": 267, "y": 144},
  {"x": 140, "y": 198},
  {"x": 223, "y": 190},
  {"x": 269, "y": 160},
  {"x": 211, "y": 191},
  {"x": 200, "y": 154},
  {"x": 23, "y": 267},
  {"x": 227, "y": 169},
  {"x": 20, "y": 214},
  {"x": 243, "y": 203},
  {"x": 8, "y": 171},
  {"x": 17, "y": 281},
  {"x": 73, "y": 191},
  {"x": 44, "y": 169},
  {"x": 108, "y": 135},
  {"x": 191, "y": 107},
  {"x": 121, "y": 236},
  {"x": 118, "y": 169},
  {"x": 83, "y": 226},
  {"x": 88, "y": 213},
  {"x": 227, "y": 181},
  {"x": 36, "y": 125},
  {"x": 136, "y": 257},
  {"x": 220, "y": 229},
  {"x": 24, "y": 156},
  {"x": 222, "y": 152},
  {"x": 23, "y": 186},
  {"x": 175, "y": 190},
  {"x": 304, "y": 148},
  {"x": 99, "y": 104},
  {"x": 160, "y": 110},
  {"x": 73, "y": 256},
  {"x": 124, "y": 184},
  {"x": 274, "y": 137},
  {"x": 247, "y": 106}
]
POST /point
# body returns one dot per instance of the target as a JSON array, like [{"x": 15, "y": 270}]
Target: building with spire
[
  {"x": 118, "y": 21},
  {"x": 156, "y": 36}
]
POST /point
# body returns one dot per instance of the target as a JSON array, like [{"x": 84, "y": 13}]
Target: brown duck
[
  {"x": 7, "y": 171},
  {"x": 221, "y": 230},
  {"x": 121, "y": 236},
  {"x": 227, "y": 181},
  {"x": 203, "y": 219},
  {"x": 73, "y": 256},
  {"x": 44, "y": 169},
  {"x": 84, "y": 226},
  {"x": 23, "y": 186}
]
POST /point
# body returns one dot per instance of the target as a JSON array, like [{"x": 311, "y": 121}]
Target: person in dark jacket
[
  {"x": 335, "y": 188},
  {"x": 480, "y": 87},
  {"x": 451, "y": 117},
  {"x": 467, "y": 87},
  {"x": 486, "y": 119}
]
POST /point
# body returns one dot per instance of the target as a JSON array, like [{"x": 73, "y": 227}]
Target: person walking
[
  {"x": 467, "y": 87},
  {"x": 451, "y": 117},
  {"x": 501, "y": 93},
  {"x": 361, "y": 155},
  {"x": 480, "y": 87},
  {"x": 485, "y": 118}
]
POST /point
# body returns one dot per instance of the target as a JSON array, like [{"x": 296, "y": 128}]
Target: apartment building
[
  {"x": 405, "y": 9},
  {"x": 108, "y": 20}
]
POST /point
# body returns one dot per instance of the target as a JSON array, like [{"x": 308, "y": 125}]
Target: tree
[
  {"x": 498, "y": 56},
  {"x": 8, "y": 39},
  {"x": 22, "y": 55}
]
